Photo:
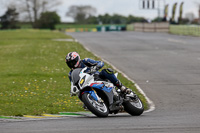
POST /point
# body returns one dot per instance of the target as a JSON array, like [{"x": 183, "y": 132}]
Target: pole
[
  {"x": 199, "y": 13},
  {"x": 159, "y": 10}
]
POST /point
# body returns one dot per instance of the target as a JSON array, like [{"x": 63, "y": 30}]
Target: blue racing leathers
[{"x": 105, "y": 73}]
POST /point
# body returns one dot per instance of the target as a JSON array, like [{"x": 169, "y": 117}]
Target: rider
[{"x": 73, "y": 61}]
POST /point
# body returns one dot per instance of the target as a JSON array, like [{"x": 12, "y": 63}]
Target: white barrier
[{"x": 151, "y": 27}]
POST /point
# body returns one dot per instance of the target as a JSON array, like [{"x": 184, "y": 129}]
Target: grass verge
[{"x": 34, "y": 76}]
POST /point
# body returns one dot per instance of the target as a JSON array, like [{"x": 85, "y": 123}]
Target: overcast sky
[{"x": 123, "y": 7}]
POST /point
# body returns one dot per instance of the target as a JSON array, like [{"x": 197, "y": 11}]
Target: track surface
[{"x": 165, "y": 66}]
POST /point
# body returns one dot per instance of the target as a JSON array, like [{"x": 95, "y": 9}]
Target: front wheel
[
  {"x": 98, "y": 108},
  {"x": 134, "y": 106}
]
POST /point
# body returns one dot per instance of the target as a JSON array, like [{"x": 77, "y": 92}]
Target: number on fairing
[{"x": 82, "y": 81}]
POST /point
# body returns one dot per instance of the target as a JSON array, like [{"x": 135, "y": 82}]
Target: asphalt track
[{"x": 165, "y": 66}]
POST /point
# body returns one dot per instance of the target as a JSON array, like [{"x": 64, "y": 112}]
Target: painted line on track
[
  {"x": 46, "y": 116},
  {"x": 61, "y": 114},
  {"x": 70, "y": 113},
  {"x": 149, "y": 101},
  {"x": 31, "y": 116},
  {"x": 51, "y": 115},
  {"x": 176, "y": 41}
]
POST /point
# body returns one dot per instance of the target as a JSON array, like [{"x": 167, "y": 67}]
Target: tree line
[
  {"x": 86, "y": 15},
  {"x": 35, "y": 12},
  {"x": 41, "y": 14},
  {"x": 110, "y": 19}
]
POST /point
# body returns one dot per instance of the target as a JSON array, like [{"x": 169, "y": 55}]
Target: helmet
[{"x": 73, "y": 60}]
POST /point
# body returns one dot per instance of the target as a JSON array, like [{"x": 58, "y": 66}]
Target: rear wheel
[
  {"x": 134, "y": 106},
  {"x": 98, "y": 108}
]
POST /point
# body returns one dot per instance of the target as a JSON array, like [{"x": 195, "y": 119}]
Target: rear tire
[
  {"x": 134, "y": 107},
  {"x": 99, "y": 109}
]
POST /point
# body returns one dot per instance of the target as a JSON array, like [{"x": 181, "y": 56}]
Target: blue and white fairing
[
  {"x": 86, "y": 80},
  {"x": 106, "y": 87}
]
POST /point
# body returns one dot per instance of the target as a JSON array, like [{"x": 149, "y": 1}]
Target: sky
[{"x": 122, "y": 7}]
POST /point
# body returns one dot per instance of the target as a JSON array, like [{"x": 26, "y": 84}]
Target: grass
[
  {"x": 59, "y": 26},
  {"x": 34, "y": 76},
  {"x": 65, "y": 26}
]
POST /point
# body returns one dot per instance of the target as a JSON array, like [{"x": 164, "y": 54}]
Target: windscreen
[{"x": 75, "y": 75}]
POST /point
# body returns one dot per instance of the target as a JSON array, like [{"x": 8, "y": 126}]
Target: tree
[
  {"x": 9, "y": 19},
  {"x": 133, "y": 19},
  {"x": 81, "y": 13},
  {"x": 105, "y": 19},
  {"x": 92, "y": 20},
  {"x": 32, "y": 9},
  {"x": 159, "y": 19},
  {"x": 48, "y": 20},
  {"x": 118, "y": 19}
]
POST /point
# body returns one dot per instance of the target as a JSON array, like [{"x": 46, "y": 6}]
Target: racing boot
[
  {"x": 123, "y": 89},
  {"x": 85, "y": 108}
]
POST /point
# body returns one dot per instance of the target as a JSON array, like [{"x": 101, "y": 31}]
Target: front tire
[
  {"x": 134, "y": 107},
  {"x": 98, "y": 108}
]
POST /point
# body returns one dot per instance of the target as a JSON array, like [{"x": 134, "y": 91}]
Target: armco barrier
[
  {"x": 100, "y": 28},
  {"x": 103, "y": 28},
  {"x": 81, "y": 30},
  {"x": 149, "y": 27}
]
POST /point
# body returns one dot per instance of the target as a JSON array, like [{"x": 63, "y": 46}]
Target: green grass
[
  {"x": 34, "y": 76},
  {"x": 59, "y": 26},
  {"x": 25, "y": 26},
  {"x": 65, "y": 26}
]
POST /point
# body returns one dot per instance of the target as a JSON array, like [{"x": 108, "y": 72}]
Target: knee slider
[{"x": 109, "y": 71}]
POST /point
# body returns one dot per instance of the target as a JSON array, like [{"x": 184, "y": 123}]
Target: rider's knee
[{"x": 108, "y": 71}]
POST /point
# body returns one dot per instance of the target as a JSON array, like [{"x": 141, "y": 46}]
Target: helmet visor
[{"x": 72, "y": 63}]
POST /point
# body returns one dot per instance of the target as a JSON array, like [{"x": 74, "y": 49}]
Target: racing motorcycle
[{"x": 101, "y": 97}]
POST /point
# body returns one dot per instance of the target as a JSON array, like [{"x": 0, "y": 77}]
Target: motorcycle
[{"x": 101, "y": 97}]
